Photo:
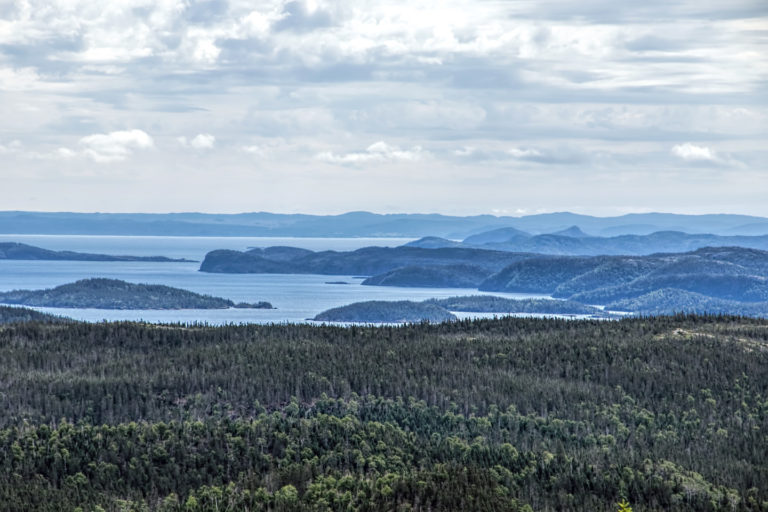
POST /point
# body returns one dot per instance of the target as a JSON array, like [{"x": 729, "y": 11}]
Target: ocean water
[{"x": 296, "y": 297}]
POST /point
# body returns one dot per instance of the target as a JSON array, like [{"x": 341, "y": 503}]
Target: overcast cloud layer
[{"x": 459, "y": 107}]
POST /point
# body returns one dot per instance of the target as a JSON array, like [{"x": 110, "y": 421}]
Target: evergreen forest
[{"x": 510, "y": 414}]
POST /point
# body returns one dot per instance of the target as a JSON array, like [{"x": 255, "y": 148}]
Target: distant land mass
[
  {"x": 730, "y": 273},
  {"x": 734, "y": 274},
  {"x": 575, "y": 242},
  {"x": 366, "y": 261},
  {"x": 366, "y": 224},
  {"x": 377, "y": 311},
  {"x": 102, "y": 293},
  {"x": 18, "y": 251}
]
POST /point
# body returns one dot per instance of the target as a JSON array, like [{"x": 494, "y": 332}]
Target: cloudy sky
[{"x": 460, "y": 107}]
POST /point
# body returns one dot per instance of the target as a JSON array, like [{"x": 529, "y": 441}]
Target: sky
[{"x": 513, "y": 107}]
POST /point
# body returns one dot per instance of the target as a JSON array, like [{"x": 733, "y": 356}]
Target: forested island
[
  {"x": 17, "y": 251},
  {"x": 103, "y": 293},
  {"x": 440, "y": 310},
  {"x": 379, "y": 311},
  {"x": 510, "y": 414}
]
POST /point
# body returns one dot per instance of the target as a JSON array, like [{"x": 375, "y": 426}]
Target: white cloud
[
  {"x": 199, "y": 141},
  {"x": 493, "y": 89},
  {"x": 703, "y": 155},
  {"x": 693, "y": 153},
  {"x": 114, "y": 146},
  {"x": 255, "y": 150},
  {"x": 524, "y": 153},
  {"x": 11, "y": 147},
  {"x": 377, "y": 152},
  {"x": 65, "y": 153}
]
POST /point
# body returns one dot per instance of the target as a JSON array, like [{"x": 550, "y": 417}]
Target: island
[
  {"x": 440, "y": 310},
  {"x": 377, "y": 311},
  {"x": 18, "y": 251},
  {"x": 101, "y": 293}
]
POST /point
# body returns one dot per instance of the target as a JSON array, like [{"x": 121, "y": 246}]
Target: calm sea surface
[{"x": 296, "y": 297}]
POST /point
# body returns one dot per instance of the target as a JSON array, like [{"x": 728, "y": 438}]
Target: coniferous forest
[{"x": 668, "y": 413}]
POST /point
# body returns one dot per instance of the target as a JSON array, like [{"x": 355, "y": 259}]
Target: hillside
[
  {"x": 367, "y": 261},
  {"x": 115, "y": 294},
  {"x": 669, "y": 301},
  {"x": 500, "y": 235},
  {"x": 498, "y": 415},
  {"x": 730, "y": 273},
  {"x": 433, "y": 242},
  {"x": 438, "y": 276},
  {"x": 377, "y": 311},
  {"x": 574, "y": 242},
  {"x": 17, "y": 251},
  {"x": 491, "y": 304}
]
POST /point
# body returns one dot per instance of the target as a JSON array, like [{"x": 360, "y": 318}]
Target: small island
[
  {"x": 17, "y": 251},
  {"x": 377, "y": 311},
  {"x": 100, "y": 293}
]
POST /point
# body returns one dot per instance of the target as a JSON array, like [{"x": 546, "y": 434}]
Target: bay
[{"x": 297, "y": 297}]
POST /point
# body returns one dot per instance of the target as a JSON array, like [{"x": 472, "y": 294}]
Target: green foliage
[{"x": 510, "y": 414}]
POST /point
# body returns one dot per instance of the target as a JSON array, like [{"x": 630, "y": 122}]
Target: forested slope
[
  {"x": 104, "y": 293},
  {"x": 508, "y": 414}
]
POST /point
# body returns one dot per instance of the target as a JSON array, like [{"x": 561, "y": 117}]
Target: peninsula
[{"x": 17, "y": 251}]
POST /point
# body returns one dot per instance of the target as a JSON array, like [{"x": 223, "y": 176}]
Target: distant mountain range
[
  {"x": 365, "y": 224},
  {"x": 17, "y": 251},
  {"x": 573, "y": 241}
]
